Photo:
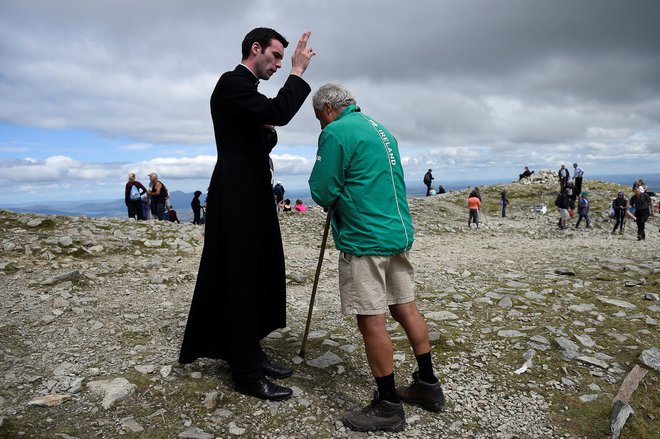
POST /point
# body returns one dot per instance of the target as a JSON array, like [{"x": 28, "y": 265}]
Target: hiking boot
[
  {"x": 426, "y": 395},
  {"x": 379, "y": 415}
]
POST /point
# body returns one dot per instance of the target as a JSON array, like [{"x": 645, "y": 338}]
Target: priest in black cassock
[{"x": 240, "y": 295}]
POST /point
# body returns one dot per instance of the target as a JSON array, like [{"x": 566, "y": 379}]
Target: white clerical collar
[{"x": 255, "y": 76}]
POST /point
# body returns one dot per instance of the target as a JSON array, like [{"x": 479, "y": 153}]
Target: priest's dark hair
[{"x": 261, "y": 35}]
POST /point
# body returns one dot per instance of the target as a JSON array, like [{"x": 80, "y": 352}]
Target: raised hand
[{"x": 302, "y": 55}]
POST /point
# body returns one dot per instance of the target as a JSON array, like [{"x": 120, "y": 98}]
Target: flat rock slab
[
  {"x": 49, "y": 400},
  {"x": 565, "y": 271},
  {"x": 441, "y": 315},
  {"x": 196, "y": 433},
  {"x": 112, "y": 390},
  {"x": 326, "y": 360},
  {"x": 618, "y": 419},
  {"x": 510, "y": 333},
  {"x": 630, "y": 384},
  {"x": 617, "y": 302},
  {"x": 593, "y": 361}
]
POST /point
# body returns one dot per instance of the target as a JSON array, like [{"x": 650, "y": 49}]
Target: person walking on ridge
[
  {"x": 583, "y": 210},
  {"x": 641, "y": 201},
  {"x": 619, "y": 204}
]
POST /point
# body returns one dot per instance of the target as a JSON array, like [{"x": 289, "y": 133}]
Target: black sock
[
  {"x": 386, "y": 388},
  {"x": 426, "y": 368}
]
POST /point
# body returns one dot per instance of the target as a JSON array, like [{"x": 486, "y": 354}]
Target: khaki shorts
[
  {"x": 563, "y": 214},
  {"x": 369, "y": 284}
]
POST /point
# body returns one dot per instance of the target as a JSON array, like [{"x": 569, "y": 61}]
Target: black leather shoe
[
  {"x": 265, "y": 389},
  {"x": 275, "y": 370}
]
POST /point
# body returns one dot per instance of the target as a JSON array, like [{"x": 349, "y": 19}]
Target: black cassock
[{"x": 240, "y": 295}]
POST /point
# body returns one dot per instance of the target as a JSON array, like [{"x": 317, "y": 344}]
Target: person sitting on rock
[
  {"x": 171, "y": 215},
  {"x": 526, "y": 174},
  {"x": 300, "y": 206}
]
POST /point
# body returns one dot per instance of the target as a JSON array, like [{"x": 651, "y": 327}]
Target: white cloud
[{"x": 468, "y": 88}]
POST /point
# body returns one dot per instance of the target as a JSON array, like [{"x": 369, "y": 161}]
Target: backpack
[
  {"x": 135, "y": 193},
  {"x": 164, "y": 195}
]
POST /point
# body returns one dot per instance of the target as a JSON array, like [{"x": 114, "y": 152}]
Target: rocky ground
[{"x": 534, "y": 329}]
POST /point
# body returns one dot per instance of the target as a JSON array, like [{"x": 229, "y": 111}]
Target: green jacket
[{"x": 358, "y": 174}]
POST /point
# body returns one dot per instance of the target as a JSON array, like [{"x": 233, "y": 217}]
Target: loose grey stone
[
  {"x": 326, "y": 360},
  {"x": 65, "y": 368},
  {"x": 540, "y": 339},
  {"x": 49, "y": 400},
  {"x": 651, "y": 358},
  {"x": 583, "y": 307},
  {"x": 564, "y": 271},
  {"x": 570, "y": 348},
  {"x": 510, "y": 333},
  {"x": 588, "y": 398},
  {"x": 635, "y": 283},
  {"x": 114, "y": 390},
  {"x": 593, "y": 361},
  {"x": 531, "y": 295},
  {"x": 71, "y": 275},
  {"x": 195, "y": 433},
  {"x": 651, "y": 296},
  {"x": 620, "y": 413},
  {"x": 617, "y": 302},
  {"x": 66, "y": 241},
  {"x": 131, "y": 424},
  {"x": 210, "y": 400},
  {"x": 585, "y": 340},
  {"x": 441, "y": 315},
  {"x": 235, "y": 430},
  {"x": 505, "y": 302},
  {"x": 145, "y": 368},
  {"x": 152, "y": 243}
]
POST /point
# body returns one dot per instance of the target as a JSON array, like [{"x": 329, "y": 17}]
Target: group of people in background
[
  {"x": 154, "y": 202},
  {"x": 638, "y": 207},
  {"x": 284, "y": 204},
  {"x": 142, "y": 202},
  {"x": 570, "y": 194},
  {"x": 428, "y": 182}
]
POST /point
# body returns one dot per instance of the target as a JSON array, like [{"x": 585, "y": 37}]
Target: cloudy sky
[{"x": 475, "y": 89}]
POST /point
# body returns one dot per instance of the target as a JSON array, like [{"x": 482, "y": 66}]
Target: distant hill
[{"x": 181, "y": 200}]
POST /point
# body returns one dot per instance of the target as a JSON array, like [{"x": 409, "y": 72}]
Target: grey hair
[{"x": 336, "y": 95}]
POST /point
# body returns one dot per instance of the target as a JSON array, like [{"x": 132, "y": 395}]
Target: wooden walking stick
[{"x": 316, "y": 283}]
